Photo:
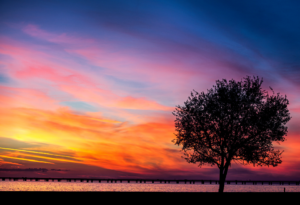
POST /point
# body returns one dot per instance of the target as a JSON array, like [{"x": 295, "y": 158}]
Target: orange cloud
[
  {"x": 94, "y": 140},
  {"x": 107, "y": 143},
  {"x": 5, "y": 162}
]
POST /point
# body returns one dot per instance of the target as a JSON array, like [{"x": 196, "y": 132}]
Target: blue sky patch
[{"x": 80, "y": 106}]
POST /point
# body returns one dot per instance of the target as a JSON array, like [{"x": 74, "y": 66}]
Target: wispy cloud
[
  {"x": 32, "y": 170},
  {"x": 30, "y": 160}
]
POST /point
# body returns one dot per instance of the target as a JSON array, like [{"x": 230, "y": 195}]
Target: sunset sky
[{"x": 88, "y": 87}]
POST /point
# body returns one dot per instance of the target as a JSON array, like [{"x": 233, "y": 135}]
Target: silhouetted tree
[{"x": 234, "y": 121}]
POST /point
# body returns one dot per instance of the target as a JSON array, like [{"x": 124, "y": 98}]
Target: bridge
[{"x": 164, "y": 181}]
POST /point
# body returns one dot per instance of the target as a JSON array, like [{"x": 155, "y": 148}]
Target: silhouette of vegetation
[{"x": 233, "y": 121}]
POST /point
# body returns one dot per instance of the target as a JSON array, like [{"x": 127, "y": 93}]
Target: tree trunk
[
  {"x": 221, "y": 181},
  {"x": 223, "y": 173}
]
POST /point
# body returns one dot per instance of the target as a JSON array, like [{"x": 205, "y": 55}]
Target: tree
[{"x": 233, "y": 121}]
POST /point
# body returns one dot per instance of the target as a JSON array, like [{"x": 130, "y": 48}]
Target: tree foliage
[{"x": 233, "y": 121}]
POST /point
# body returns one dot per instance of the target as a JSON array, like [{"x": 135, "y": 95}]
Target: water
[{"x": 138, "y": 187}]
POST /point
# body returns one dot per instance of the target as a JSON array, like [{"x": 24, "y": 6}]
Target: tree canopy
[{"x": 233, "y": 121}]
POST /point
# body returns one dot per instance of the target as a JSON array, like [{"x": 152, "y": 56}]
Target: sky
[{"x": 88, "y": 87}]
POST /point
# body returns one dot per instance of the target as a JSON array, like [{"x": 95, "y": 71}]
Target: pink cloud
[
  {"x": 141, "y": 103},
  {"x": 28, "y": 63},
  {"x": 55, "y": 73},
  {"x": 27, "y": 66},
  {"x": 109, "y": 99},
  {"x": 24, "y": 97},
  {"x": 296, "y": 109},
  {"x": 125, "y": 64}
]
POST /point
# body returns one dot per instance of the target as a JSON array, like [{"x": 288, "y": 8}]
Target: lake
[{"x": 139, "y": 187}]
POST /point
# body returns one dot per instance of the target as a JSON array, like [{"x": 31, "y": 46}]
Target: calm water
[{"x": 138, "y": 187}]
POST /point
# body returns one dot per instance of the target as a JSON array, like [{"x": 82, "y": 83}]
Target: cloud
[
  {"x": 95, "y": 140},
  {"x": 32, "y": 170},
  {"x": 24, "y": 97},
  {"x": 17, "y": 144},
  {"x": 25, "y": 159},
  {"x": 35, "y": 31},
  {"x": 141, "y": 103},
  {"x": 106, "y": 98}
]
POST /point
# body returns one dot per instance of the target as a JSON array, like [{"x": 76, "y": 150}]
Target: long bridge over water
[{"x": 165, "y": 181}]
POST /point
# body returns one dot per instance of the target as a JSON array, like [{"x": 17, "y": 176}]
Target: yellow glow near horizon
[
  {"x": 64, "y": 160},
  {"x": 78, "y": 158},
  {"x": 31, "y": 160},
  {"x": 35, "y": 152}
]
